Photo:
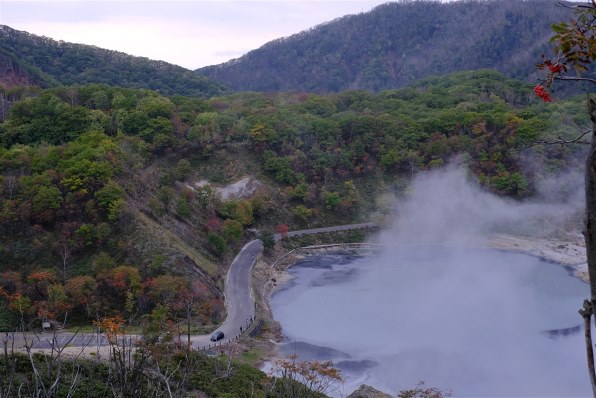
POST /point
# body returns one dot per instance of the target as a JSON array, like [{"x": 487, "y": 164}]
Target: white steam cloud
[
  {"x": 434, "y": 307},
  {"x": 446, "y": 206}
]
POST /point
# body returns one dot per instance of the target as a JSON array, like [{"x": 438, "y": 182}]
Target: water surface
[{"x": 478, "y": 322}]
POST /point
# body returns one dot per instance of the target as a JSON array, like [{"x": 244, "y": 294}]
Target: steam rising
[
  {"x": 432, "y": 307},
  {"x": 444, "y": 206}
]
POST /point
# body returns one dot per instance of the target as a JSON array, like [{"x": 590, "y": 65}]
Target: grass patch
[
  {"x": 81, "y": 329},
  {"x": 171, "y": 240},
  {"x": 251, "y": 357}
]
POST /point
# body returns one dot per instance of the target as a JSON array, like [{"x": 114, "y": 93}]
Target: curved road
[
  {"x": 238, "y": 293},
  {"x": 238, "y": 298}
]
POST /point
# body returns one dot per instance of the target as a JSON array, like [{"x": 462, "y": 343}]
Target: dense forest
[
  {"x": 398, "y": 43},
  {"x": 38, "y": 60},
  {"x": 115, "y": 175},
  {"x": 389, "y": 47},
  {"x": 109, "y": 199}
]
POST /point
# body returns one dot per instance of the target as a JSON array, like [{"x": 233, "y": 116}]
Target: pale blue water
[{"x": 473, "y": 321}]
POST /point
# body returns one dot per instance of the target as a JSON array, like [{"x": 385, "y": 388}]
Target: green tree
[
  {"x": 511, "y": 183},
  {"x": 232, "y": 230},
  {"x": 302, "y": 212},
  {"x": 155, "y": 107},
  {"x": 165, "y": 195},
  {"x": 47, "y": 199},
  {"x": 20, "y": 304},
  {"x": 56, "y": 303},
  {"x": 135, "y": 122},
  {"x": 182, "y": 207},
  {"x": 82, "y": 291},
  {"x": 244, "y": 212},
  {"x": 46, "y": 118},
  {"x": 205, "y": 129},
  {"x": 300, "y": 191},
  {"x": 260, "y": 133},
  {"x": 268, "y": 240},
  {"x": 183, "y": 169},
  {"x": 108, "y": 195},
  {"x": 331, "y": 199},
  {"x": 218, "y": 243}
]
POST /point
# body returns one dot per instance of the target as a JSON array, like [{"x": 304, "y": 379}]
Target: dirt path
[{"x": 335, "y": 228}]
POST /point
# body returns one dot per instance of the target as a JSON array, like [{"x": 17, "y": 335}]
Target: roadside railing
[{"x": 244, "y": 329}]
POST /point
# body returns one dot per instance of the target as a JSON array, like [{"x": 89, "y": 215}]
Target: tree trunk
[
  {"x": 590, "y": 237},
  {"x": 586, "y": 313},
  {"x": 188, "y": 314}
]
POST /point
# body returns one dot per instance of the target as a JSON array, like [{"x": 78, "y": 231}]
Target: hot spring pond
[{"x": 477, "y": 322}]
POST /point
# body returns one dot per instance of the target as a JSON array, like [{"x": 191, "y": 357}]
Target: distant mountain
[
  {"x": 397, "y": 43},
  {"x": 27, "y": 59}
]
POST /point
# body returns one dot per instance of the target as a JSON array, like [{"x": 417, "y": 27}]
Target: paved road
[
  {"x": 46, "y": 340},
  {"x": 346, "y": 227},
  {"x": 238, "y": 297},
  {"x": 238, "y": 293}
]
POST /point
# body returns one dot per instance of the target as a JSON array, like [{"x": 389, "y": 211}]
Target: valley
[{"x": 144, "y": 199}]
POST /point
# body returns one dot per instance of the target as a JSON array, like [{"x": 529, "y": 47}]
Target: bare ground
[{"x": 567, "y": 249}]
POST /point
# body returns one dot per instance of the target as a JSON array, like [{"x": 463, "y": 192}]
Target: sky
[{"x": 191, "y": 33}]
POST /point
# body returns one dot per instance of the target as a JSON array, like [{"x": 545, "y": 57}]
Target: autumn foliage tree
[
  {"x": 121, "y": 285},
  {"x": 282, "y": 230},
  {"x": 179, "y": 296},
  {"x": 82, "y": 291},
  {"x": 420, "y": 391},
  {"x": 304, "y": 379},
  {"x": 575, "y": 47},
  {"x": 20, "y": 304}
]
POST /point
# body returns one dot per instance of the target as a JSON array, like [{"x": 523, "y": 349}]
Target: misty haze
[
  {"x": 437, "y": 306},
  {"x": 396, "y": 189}
]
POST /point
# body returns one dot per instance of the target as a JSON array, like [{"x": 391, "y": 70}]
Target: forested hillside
[
  {"x": 36, "y": 60},
  {"x": 127, "y": 186},
  {"x": 386, "y": 48},
  {"x": 398, "y": 43},
  {"x": 109, "y": 201}
]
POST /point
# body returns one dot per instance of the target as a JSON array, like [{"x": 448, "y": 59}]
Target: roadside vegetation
[
  {"x": 109, "y": 199},
  {"x": 111, "y": 204},
  {"x": 148, "y": 369}
]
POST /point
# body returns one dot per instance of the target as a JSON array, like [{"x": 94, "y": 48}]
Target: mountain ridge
[
  {"x": 40, "y": 60},
  {"x": 377, "y": 50}
]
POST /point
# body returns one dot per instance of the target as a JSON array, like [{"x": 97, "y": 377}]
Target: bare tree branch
[
  {"x": 560, "y": 141},
  {"x": 576, "y": 78},
  {"x": 575, "y": 6}
]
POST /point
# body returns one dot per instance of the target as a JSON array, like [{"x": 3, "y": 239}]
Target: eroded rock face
[
  {"x": 365, "y": 391},
  {"x": 243, "y": 188}
]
